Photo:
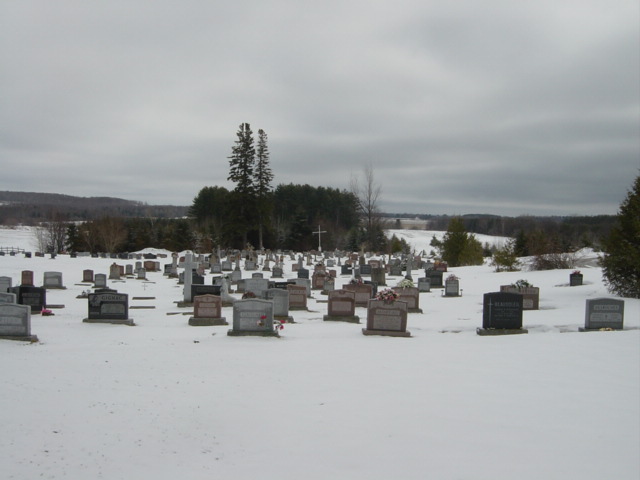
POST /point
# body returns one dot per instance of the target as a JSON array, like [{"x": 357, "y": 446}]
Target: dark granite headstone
[
  {"x": 502, "y": 311},
  {"x": 108, "y": 306},
  {"x": 35, "y": 297}
]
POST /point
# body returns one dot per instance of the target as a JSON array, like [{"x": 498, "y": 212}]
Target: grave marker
[
  {"x": 207, "y": 310},
  {"x": 15, "y": 322},
  {"x": 502, "y": 314},
  {"x": 108, "y": 306},
  {"x": 53, "y": 280},
  {"x": 342, "y": 307},
  {"x": 280, "y": 299},
  {"x": 5, "y": 284},
  {"x": 253, "y": 317},
  {"x": 603, "y": 314},
  {"x": 35, "y": 297},
  {"x": 387, "y": 318}
]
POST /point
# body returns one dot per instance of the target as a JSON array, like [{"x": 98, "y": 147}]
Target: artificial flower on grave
[
  {"x": 248, "y": 295},
  {"x": 405, "y": 283},
  {"x": 280, "y": 325},
  {"x": 452, "y": 278},
  {"x": 521, "y": 284},
  {"x": 46, "y": 312},
  {"x": 387, "y": 295},
  {"x": 576, "y": 272}
]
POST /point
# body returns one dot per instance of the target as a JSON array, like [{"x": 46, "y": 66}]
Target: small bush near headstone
[
  {"x": 505, "y": 259},
  {"x": 553, "y": 261}
]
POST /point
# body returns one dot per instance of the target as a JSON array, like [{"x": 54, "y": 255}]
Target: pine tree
[
  {"x": 621, "y": 262},
  {"x": 460, "y": 248},
  {"x": 241, "y": 172},
  {"x": 262, "y": 183}
]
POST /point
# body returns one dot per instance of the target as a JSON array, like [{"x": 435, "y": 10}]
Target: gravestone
[
  {"x": 235, "y": 276},
  {"x": 15, "y": 322},
  {"x": 277, "y": 272},
  {"x": 387, "y": 319},
  {"x": 35, "y": 297},
  {"x": 363, "y": 293},
  {"x": 452, "y": 287},
  {"x": 108, "y": 306},
  {"x": 53, "y": 280},
  {"x": 200, "y": 290},
  {"x": 5, "y": 284},
  {"x": 435, "y": 278},
  {"x": 603, "y": 314},
  {"x": 280, "y": 299},
  {"x": 257, "y": 275},
  {"x": 149, "y": 266},
  {"x": 441, "y": 266},
  {"x": 501, "y": 314},
  {"x": 297, "y": 297},
  {"x": 365, "y": 269},
  {"x": 345, "y": 270},
  {"x": 8, "y": 297},
  {"x": 410, "y": 295},
  {"x": 87, "y": 276},
  {"x": 303, "y": 273},
  {"x": 318, "y": 279},
  {"x": 329, "y": 285},
  {"x": 128, "y": 270},
  {"x": 530, "y": 295},
  {"x": 575, "y": 279},
  {"x": 27, "y": 278},
  {"x": 395, "y": 270},
  {"x": 378, "y": 276},
  {"x": 342, "y": 307},
  {"x": 253, "y": 317},
  {"x": 207, "y": 310},
  {"x": 216, "y": 268},
  {"x": 114, "y": 272},
  {"x": 250, "y": 265},
  {"x": 100, "y": 280},
  {"x": 227, "y": 266},
  {"x": 141, "y": 274},
  {"x": 256, "y": 286},
  {"x": 189, "y": 267},
  {"x": 424, "y": 284}
]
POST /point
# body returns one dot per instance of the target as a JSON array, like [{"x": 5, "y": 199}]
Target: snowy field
[{"x": 164, "y": 400}]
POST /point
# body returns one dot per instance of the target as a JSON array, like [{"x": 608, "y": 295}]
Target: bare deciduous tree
[{"x": 367, "y": 195}]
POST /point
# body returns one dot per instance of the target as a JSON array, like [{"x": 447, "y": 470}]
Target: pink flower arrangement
[{"x": 387, "y": 295}]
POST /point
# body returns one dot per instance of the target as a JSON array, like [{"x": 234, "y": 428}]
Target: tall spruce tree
[
  {"x": 621, "y": 262},
  {"x": 241, "y": 172},
  {"x": 262, "y": 183},
  {"x": 459, "y": 247}
]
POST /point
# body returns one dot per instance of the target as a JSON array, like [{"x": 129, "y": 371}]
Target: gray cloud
[{"x": 495, "y": 107}]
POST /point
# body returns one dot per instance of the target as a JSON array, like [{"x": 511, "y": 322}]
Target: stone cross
[
  {"x": 189, "y": 267},
  {"x": 319, "y": 233},
  {"x": 409, "y": 267}
]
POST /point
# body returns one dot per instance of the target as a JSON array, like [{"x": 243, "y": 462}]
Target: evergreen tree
[
  {"x": 241, "y": 172},
  {"x": 621, "y": 261},
  {"x": 460, "y": 248},
  {"x": 262, "y": 183}
]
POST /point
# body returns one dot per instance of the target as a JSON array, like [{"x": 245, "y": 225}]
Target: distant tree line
[
  {"x": 30, "y": 208},
  {"x": 533, "y": 233}
]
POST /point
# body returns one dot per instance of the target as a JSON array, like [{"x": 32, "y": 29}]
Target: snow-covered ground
[{"x": 164, "y": 400}]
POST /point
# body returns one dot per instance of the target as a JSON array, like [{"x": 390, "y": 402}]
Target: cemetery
[{"x": 351, "y": 353}]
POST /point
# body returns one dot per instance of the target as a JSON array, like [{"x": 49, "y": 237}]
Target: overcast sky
[{"x": 507, "y": 107}]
